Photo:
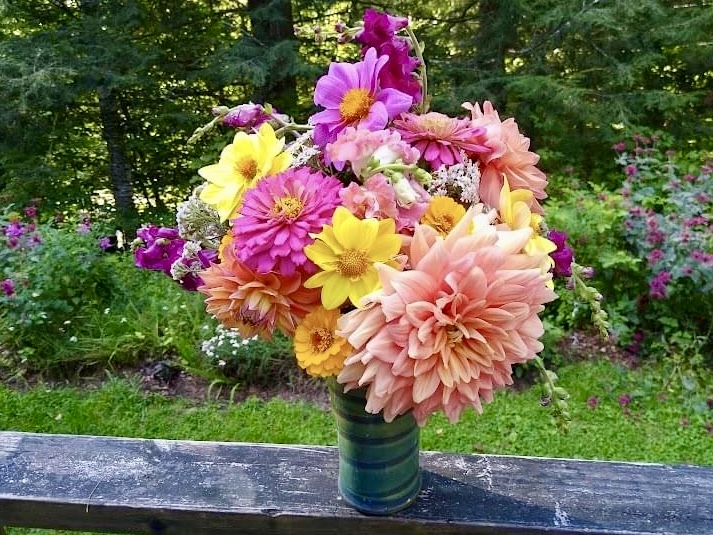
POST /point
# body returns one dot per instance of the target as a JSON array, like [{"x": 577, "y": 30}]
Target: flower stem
[{"x": 418, "y": 48}]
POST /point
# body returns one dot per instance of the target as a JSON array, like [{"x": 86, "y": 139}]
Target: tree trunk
[{"x": 119, "y": 166}]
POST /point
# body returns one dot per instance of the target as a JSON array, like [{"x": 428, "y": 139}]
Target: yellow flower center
[
  {"x": 536, "y": 223},
  {"x": 433, "y": 122},
  {"x": 352, "y": 263},
  {"x": 454, "y": 335},
  {"x": 444, "y": 223},
  {"x": 288, "y": 207},
  {"x": 321, "y": 339},
  {"x": 355, "y": 104},
  {"x": 246, "y": 167}
]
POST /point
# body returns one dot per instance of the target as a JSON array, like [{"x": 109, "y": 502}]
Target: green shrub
[
  {"x": 251, "y": 361},
  {"x": 593, "y": 218},
  {"x": 669, "y": 227},
  {"x": 53, "y": 273},
  {"x": 67, "y": 303}
]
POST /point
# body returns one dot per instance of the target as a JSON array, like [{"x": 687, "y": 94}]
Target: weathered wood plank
[{"x": 182, "y": 487}]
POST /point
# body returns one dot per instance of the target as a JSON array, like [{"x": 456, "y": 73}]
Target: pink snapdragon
[{"x": 360, "y": 147}]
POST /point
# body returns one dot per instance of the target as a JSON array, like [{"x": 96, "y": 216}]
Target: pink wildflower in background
[
  {"x": 8, "y": 287},
  {"x": 352, "y": 96},
  {"x": 277, "y": 217},
  {"x": 509, "y": 155},
  {"x": 105, "y": 243},
  {"x": 657, "y": 286},
  {"x": 655, "y": 256},
  {"x": 84, "y": 227}
]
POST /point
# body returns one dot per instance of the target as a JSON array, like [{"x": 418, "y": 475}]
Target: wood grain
[{"x": 123, "y": 485}]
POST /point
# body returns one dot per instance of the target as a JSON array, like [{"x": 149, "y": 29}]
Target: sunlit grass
[{"x": 654, "y": 426}]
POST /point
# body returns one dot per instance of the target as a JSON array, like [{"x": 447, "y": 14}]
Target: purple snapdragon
[
  {"x": 162, "y": 246},
  {"x": 563, "y": 256}
]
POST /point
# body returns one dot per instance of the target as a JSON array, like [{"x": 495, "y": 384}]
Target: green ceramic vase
[{"x": 378, "y": 462}]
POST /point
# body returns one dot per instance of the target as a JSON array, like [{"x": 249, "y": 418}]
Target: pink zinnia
[
  {"x": 277, "y": 217},
  {"x": 445, "y": 333},
  {"x": 509, "y": 155},
  {"x": 352, "y": 96},
  {"x": 360, "y": 146},
  {"x": 440, "y": 138}
]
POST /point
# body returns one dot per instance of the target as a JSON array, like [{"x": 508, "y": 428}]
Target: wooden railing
[{"x": 122, "y": 485}]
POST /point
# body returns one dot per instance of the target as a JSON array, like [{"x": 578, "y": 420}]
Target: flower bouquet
[{"x": 403, "y": 250}]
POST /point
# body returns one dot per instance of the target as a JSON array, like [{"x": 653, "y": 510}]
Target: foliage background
[{"x": 99, "y": 97}]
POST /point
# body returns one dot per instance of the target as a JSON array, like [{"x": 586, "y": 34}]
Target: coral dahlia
[
  {"x": 445, "y": 334},
  {"x": 509, "y": 156},
  {"x": 255, "y": 303}
]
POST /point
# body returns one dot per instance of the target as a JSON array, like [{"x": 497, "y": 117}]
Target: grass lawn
[{"x": 652, "y": 426}]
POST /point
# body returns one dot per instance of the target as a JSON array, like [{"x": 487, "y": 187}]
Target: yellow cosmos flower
[
  {"x": 319, "y": 351},
  {"x": 442, "y": 214},
  {"x": 242, "y": 163},
  {"x": 346, "y": 253}
]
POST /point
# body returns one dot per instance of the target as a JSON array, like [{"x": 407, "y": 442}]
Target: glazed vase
[{"x": 379, "y": 470}]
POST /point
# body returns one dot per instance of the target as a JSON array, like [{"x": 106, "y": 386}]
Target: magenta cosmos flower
[
  {"x": 277, "y": 217},
  {"x": 352, "y": 96}
]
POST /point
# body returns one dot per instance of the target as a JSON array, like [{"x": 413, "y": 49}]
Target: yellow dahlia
[
  {"x": 442, "y": 214},
  {"x": 318, "y": 349},
  {"x": 515, "y": 212},
  {"x": 242, "y": 163},
  {"x": 346, "y": 253}
]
